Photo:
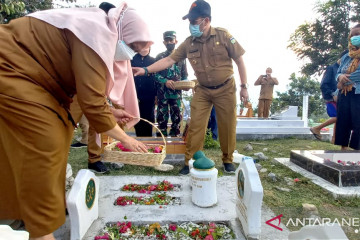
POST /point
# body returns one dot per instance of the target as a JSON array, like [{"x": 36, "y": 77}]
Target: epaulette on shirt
[{"x": 227, "y": 34}]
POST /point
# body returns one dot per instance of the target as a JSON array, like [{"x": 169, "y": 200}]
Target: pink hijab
[{"x": 100, "y": 32}]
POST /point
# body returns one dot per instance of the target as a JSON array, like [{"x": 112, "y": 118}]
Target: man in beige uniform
[
  {"x": 210, "y": 52},
  {"x": 267, "y": 83}
]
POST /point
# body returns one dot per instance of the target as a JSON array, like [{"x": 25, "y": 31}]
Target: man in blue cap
[{"x": 210, "y": 52}]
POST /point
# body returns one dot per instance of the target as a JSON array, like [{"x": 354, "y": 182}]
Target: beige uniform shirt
[
  {"x": 267, "y": 87},
  {"x": 211, "y": 58}
]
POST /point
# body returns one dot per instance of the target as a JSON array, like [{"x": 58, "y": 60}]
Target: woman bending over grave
[
  {"x": 348, "y": 108},
  {"x": 45, "y": 59}
]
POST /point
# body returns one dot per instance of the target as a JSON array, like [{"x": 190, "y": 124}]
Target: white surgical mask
[{"x": 123, "y": 52}]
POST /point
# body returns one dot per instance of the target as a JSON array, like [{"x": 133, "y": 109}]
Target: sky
[{"x": 262, "y": 27}]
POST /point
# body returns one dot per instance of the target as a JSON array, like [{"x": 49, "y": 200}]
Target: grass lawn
[{"x": 286, "y": 203}]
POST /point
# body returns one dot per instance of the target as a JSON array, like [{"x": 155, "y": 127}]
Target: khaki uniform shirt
[
  {"x": 211, "y": 58},
  {"x": 46, "y": 65},
  {"x": 267, "y": 88}
]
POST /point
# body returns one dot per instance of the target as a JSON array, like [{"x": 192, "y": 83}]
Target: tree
[
  {"x": 299, "y": 87},
  {"x": 11, "y": 9},
  {"x": 321, "y": 42}
]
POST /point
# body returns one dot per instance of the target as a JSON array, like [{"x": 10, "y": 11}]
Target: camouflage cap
[{"x": 169, "y": 34}]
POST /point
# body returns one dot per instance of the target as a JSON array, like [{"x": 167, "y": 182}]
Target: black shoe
[
  {"x": 185, "y": 170},
  {"x": 229, "y": 168},
  {"x": 78, "y": 145},
  {"x": 98, "y": 167}
]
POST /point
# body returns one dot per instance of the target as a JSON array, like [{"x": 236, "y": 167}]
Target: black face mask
[{"x": 170, "y": 46}]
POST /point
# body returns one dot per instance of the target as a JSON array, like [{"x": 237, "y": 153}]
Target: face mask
[
  {"x": 170, "y": 46},
  {"x": 123, "y": 52},
  {"x": 355, "y": 40},
  {"x": 195, "y": 30}
]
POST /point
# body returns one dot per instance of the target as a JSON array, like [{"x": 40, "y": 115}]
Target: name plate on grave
[{"x": 90, "y": 193}]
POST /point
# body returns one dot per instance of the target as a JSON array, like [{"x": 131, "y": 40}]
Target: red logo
[
  {"x": 192, "y": 6},
  {"x": 268, "y": 222}
]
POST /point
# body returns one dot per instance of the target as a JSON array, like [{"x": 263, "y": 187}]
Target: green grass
[{"x": 288, "y": 204}]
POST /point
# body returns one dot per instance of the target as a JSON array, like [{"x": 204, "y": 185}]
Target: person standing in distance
[
  {"x": 267, "y": 83},
  {"x": 210, "y": 52}
]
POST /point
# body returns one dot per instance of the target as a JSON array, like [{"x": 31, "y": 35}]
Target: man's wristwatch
[{"x": 244, "y": 86}]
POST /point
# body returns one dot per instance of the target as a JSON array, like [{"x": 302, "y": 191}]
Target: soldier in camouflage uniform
[{"x": 166, "y": 94}]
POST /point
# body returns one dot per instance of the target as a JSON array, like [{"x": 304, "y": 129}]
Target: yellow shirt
[{"x": 211, "y": 58}]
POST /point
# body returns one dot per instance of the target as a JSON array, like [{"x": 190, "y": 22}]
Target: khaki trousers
[
  {"x": 224, "y": 100},
  {"x": 264, "y": 108},
  {"x": 84, "y": 125},
  {"x": 93, "y": 149}
]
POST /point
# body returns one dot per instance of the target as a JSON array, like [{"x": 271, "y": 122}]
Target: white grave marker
[
  {"x": 250, "y": 194},
  {"x": 82, "y": 203},
  {"x": 7, "y": 233}
]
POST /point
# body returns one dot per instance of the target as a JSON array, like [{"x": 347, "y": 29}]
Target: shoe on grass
[
  {"x": 185, "y": 170},
  {"x": 98, "y": 167},
  {"x": 229, "y": 168},
  {"x": 78, "y": 145}
]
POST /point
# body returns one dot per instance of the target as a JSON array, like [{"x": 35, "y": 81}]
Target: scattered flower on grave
[
  {"x": 187, "y": 230},
  {"x": 148, "y": 188},
  {"x": 157, "y": 199},
  {"x": 296, "y": 180},
  {"x": 151, "y": 149}
]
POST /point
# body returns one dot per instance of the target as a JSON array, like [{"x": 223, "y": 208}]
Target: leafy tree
[
  {"x": 321, "y": 42},
  {"x": 299, "y": 87},
  {"x": 11, "y": 9}
]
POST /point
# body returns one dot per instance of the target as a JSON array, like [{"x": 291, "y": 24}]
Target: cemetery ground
[{"x": 281, "y": 202}]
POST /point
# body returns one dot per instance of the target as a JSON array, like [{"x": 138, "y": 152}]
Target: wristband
[{"x": 146, "y": 71}]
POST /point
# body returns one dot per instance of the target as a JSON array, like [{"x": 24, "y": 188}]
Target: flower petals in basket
[
  {"x": 184, "y": 85},
  {"x": 156, "y": 154}
]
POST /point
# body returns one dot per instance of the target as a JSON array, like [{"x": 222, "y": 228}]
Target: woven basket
[
  {"x": 184, "y": 85},
  {"x": 136, "y": 158}
]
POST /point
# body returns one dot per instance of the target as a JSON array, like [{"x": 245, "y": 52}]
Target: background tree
[
  {"x": 11, "y": 9},
  {"x": 320, "y": 43},
  {"x": 299, "y": 87}
]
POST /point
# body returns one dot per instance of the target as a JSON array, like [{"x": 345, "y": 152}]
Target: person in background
[
  {"x": 45, "y": 59},
  {"x": 267, "y": 83},
  {"x": 146, "y": 92},
  {"x": 210, "y": 52},
  {"x": 84, "y": 126},
  {"x": 329, "y": 92},
  {"x": 212, "y": 124},
  {"x": 347, "y": 133},
  {"x": 168, "y": 98}
]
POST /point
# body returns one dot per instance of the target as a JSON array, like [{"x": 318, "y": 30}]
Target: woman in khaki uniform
[{"x": 42, "y": 67}]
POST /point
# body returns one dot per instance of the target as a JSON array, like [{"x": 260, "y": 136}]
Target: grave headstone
[
  {"x": 82, "y": 203},
  {"x": 291, "y": 113},
  {"x": 249, "y": 198},
  {"x": 6, "y": 233},
  {"x": 203, "y": 180}
]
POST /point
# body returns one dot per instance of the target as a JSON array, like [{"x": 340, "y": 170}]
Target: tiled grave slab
[
  {"x": 340, "y": 168},
  {"x": 223, "y": 211},
  {"x": 335, "y": 190}
]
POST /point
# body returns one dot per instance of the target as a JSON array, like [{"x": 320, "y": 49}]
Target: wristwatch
[{"x": 244, "y": 86}]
